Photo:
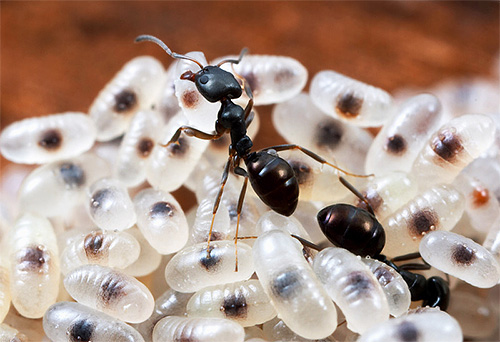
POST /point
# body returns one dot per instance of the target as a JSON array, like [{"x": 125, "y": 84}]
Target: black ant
[
  {"x": 272, "y": 178},
  {"x": 359, "y": 231}
]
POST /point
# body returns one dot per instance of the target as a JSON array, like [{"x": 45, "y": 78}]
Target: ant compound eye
[{"x": 204, "y": 79}]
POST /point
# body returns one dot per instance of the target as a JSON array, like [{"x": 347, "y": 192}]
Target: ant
[
  {"x": 272, "y": 177},
  {"x": 358, "y": 230}
]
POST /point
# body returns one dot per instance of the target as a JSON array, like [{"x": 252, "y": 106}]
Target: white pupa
[
  {"x": 110, "y": 206},
  {"x": 55, "y": 189},
  {"x": 168, "y": 167},
  {"x": 47, "y": 139},
  {"x": 460, "y": 257},
  {"x": 428, "y": 326},
  {"x": 136, "y": 86},
  {"x": 136, "y": 146},
  {"x": 161, "y": 220},
  {"x": 385, "y": 193},
  {"x": 272, "y": 79},
  {"x": 68, "y": 321},
  {"x": 34, "y": 265},
  {"x": 111, "y": 292},
  {"x": 8, "y": 333},
  {"x": 452, "y": 148},
  {"x": 194, "y": 268},
  {"x": 438, "y": 208},
  {"x": 397, "y": 144},
  {"x": 105, "y": 248},
  {"x": 353, "y": 287},
  {"x": 395, "y": 288},
  {"x": 174, "y": 328},
  {"x": 350, "y": 100},
  {"x": 297, "y": 294},
  {"x": 170, "y": 303},
  {"x": 330, "y": 138},
  {"x": 244, "y": 302},
  {"x": 481, "y": 206}
]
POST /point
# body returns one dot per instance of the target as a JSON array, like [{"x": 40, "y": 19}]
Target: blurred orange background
[{"x": 57, "y": 56}]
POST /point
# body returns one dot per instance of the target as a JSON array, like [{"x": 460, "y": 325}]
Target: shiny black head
[{"x": 214, "y": 84}]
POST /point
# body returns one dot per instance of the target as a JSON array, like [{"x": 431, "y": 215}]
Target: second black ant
[{"x": 272, "y": 177}]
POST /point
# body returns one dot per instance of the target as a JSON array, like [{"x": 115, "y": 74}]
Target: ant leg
[
  {"x": 192, "y": 132},
  {"x": 409, "y": 256},
  {"x": 357, "y": 193},
  {"x": 223, "y": 181},
  {"x": 314, "y": 156},
  {"x": 248, "y": 113},
  {"x": 239, "y": 171},
  {"x": 306, "y": 243}
]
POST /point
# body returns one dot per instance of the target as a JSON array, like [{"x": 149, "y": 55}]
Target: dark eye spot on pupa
[
  {"x": 302, "y": 171},
  {"x": 111, "y": 289},
  {"x": 447, "y": 145},
  {"x": 422, "y": 222},
  {"x": 383, "y": 275},
  {"x": 407, "y": 332},
  {"x": 283, "y": 77},
  {"x": 180, "y": 148},
  {"x": 50, "y": 139},
  {"x": 329, "y": 134},
  {"x": 190, "y": 98},
  {"x": 463, "y": 255},
  {"x": 72, "y": 175},
  {"x": 396, "y": 144},
  {"x": 93, "y": 244},
  {"x": 161, "y": 210},
  {"x": 125, "y": 101},
  {"x": 349, "y": 105},
  {"x": 209, "y": 260},
  {"x": 99, "y": 198},
  {"x": 285, "y": 284},
  {"x": 81, "y": 331},
  {"x": 373, "y": 197},
  {"x": 32, "y": 258},
  {"x": 235, "y": 305},
  {"x": 480, "y": 196},
  {"x": 145, "y": 146},
  {"x": 359, "y": 282}
]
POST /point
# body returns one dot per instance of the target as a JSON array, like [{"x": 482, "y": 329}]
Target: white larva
[
  {"x": 34, "y": 265},
  {"x": 168, "y": 167},
  {"x": 192, "y": 268},
  {"x": 438, "y": 208},
  {"x": 149, "y": 258},
  {"x": 47, "y": 139},
  {"x": 329, "y": 137},
  {"x": 105, "y": 248},
  {"x": 452, "y": 148},
  {"x": 170, "y": 303},
  {"x": 386, "y": 193},
  {"x": 161, "y": 220},
  {"x": 111, "y": 292},
  {"x": 136, "y": 86},
  {"x": 272, "y": 79},
  {"x": 350, "y": 100},
  {"x": 9, "y": 334},
  {"x": 69, "y": 322},
  {"x": 174, "y": 328},
  {"x": 136, "y": 146},
  {"x": 110, "y": 206},
  {"x": 428, "y": 326},
  {"x": 395, "y": 288},
  {"x": 55, "y": 189},
  {"x": 353, "y": 287},
  {"x": 244, "y": 302},
  {"x": 460, "y": 257},
  {"x": 399, "y": 141},
  {"x": 297, "y": 294}
]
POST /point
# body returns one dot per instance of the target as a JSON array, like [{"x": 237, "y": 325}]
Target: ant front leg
[
  {"x": 239, "y": 171},
  {"x": 192, "y": 132},
  {"x": 314, "y": 156}
]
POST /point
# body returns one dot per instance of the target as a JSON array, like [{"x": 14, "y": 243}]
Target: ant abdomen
[{"x": 274, "y": 181}]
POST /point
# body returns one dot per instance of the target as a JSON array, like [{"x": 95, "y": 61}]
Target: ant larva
[{"x": 272, "y": 178}]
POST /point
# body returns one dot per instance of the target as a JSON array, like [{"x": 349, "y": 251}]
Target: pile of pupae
[{"x": 98, "y": 212}]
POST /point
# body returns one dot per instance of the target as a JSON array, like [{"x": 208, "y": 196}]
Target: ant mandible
[{"x": 272, "y": 178}]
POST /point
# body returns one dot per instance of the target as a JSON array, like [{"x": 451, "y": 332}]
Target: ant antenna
[
  {"x": 147, "y": 37},
  {"x": 243, "y": 52}
]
